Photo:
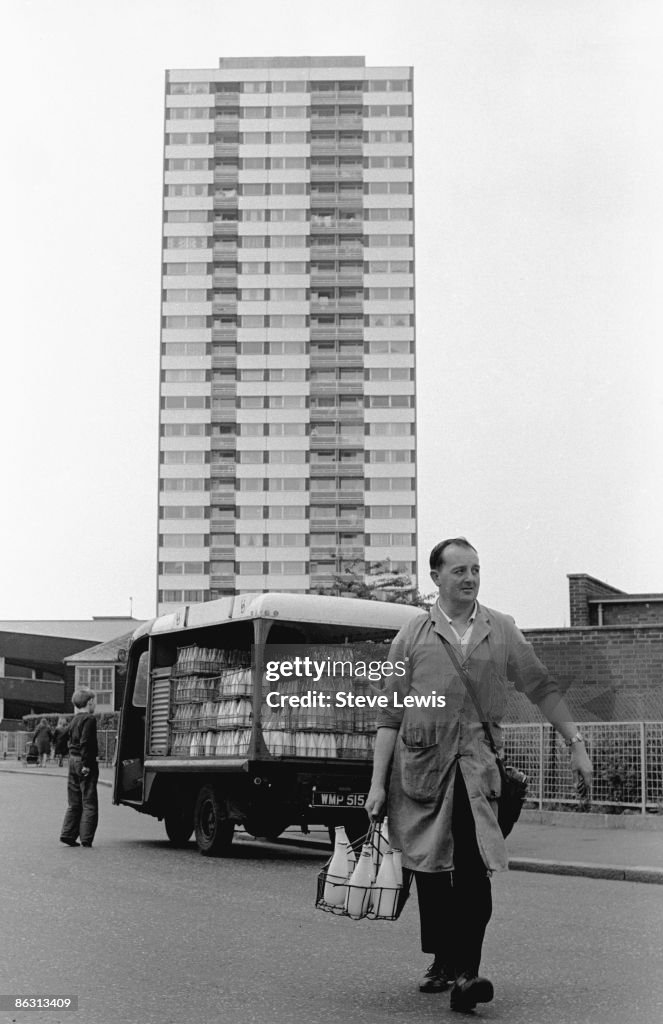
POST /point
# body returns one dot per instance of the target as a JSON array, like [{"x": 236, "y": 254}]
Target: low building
[
  {"x": 34, "y": 678},
  {"x": 609, "y": 661},
  {"x": 102, "y": 668}
]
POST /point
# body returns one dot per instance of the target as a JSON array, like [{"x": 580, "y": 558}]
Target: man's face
[{"x": 458, "y": 577}]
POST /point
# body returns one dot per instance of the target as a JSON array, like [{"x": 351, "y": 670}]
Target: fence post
[
  {"x": 541, "y": 754},
  {"x": 643, "y": 767}
]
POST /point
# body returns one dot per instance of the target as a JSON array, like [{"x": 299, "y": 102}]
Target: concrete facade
[{"x": 287, "y": 391}]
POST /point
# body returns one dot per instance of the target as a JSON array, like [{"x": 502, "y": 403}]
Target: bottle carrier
[{"x": 373, "y": 898}]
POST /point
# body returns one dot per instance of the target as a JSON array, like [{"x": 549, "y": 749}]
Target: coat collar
[{"x": 480, "y": 630}]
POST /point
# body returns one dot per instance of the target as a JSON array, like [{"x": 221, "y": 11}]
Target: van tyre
[
  {"x": 179, "y": 826},
  {"x": 214, "y": 832}
]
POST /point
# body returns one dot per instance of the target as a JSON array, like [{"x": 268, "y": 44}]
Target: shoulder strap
[{"x": 469, "y": 686}]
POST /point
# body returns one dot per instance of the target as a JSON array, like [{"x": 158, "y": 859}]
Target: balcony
[
  {"x": 333, "y": 468},
  {"x": 347, "y": 147},
  {"x": 224, "y": 333},
  {"x": 224, "y": 249},
  {"x": 226, "y": 175},
  {"x": 219, "y": 518},
  {"x": 223, "y": 442},
  {"x": 225, "y": 307},
  {"x": 335, "y": 279},
  {"x": 223, "y": 495},
  {"x": 337, "y": 122},
  {"x": 332, "y": 332},
  {"x": 330, "y": 442},
  {"x": 226, "y": 201},
  {"x": 224, "y": 362},
  {"x": 220, "y": 469},
  {"x": 226, "y": 554},
  {"x": 222, "y": 582},
  {"x": 335, "y": 306},
  {"x": 329, "y": 249},
  {"x": 226, "y": 225},
  {"x": 230, "y": 99},
  {"x": 337, "y": 387},
  {"x": 334, "y": 361},
  {"x": 334, "y": 173},
  {"x": 228, "y": 121},
  {"x": 226, "y": 149}
]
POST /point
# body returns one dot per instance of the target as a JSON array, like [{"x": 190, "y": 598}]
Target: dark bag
[{"x": 514, "y": 782}]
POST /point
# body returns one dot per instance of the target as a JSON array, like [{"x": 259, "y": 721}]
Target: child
[{"x": 83, "y": 810}]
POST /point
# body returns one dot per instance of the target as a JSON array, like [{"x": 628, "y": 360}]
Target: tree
[{"x": 376, "y": 582}]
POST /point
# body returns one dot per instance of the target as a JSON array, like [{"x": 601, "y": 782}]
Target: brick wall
[
  {"x": 632, "y": 613},
  {"x": 611, "y": 673},
  {"x": 581, "y": 588}
]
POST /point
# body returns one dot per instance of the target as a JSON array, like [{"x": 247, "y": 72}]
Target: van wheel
[
  {"x": 179, "y": 826},
  {"x": 214, "y": 833}
]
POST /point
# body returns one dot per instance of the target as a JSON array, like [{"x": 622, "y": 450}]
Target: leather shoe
[
  {"x": 437, "y": 978},
  {"x": 69, "y": 842},
  {"x": 468, "y": 991}
]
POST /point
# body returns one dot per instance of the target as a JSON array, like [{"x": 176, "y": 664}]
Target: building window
[
  {"x": 186, "y": 458},
  {"x": 183, "y": 512},
  {"x": 183, "y": 568},
  {"x": 287, "y": 429},
  {"x": 286, "y": 483},
  {"x": 249, "y": 568},
  {"x": 250, "y": 540},
  {"x": 186, "y": 295},
  {"x": 185, "y": 348},
  {"x": 184, "y": 484},
  {"x": 183, "y": 430},
  {"x": 286, "y": 512},
  {"x": 101, "y": 680},
  {"x": 390, "y": 512},
  {"x": 287, "y": 568},
  {"x": 195, "y": 269},
  {"x": 287, "y": 540},
  {"x": 183, "y": 540},
  {"x": 187, "y": 242}
]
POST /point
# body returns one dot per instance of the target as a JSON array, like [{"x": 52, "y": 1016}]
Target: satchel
[{"x": 514, "y": 782}]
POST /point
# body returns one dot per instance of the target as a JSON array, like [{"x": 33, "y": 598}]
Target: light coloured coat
[{"x": 433, "y": 741}]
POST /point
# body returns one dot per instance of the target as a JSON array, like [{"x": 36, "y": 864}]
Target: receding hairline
[{"x": 437, "y": 554}]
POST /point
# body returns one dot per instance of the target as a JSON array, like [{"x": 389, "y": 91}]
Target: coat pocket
[{"x": 421, "y": 771}]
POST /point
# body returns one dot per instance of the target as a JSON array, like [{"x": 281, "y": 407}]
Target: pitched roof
[
  {"x": 106, "y": 652},
  {"x": 99, "y": 629}
]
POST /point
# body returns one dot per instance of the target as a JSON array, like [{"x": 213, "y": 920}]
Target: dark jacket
[
  {"x": 42, "y": 737},
  {"x": 61, "y": 741},
  {"x": 83, "y": 739}
]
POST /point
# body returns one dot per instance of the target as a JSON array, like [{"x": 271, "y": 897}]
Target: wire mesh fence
[
  {"x": 16, "y": 745},
  {"x": 627, "y": 759}
]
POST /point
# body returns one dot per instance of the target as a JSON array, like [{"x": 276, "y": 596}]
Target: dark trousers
[
  {"x": 83, "y": 810},
  {"x": 455, "y": 906}
]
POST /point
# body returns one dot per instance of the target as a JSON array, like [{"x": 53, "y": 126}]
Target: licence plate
[{"x": 323, "y": 799}]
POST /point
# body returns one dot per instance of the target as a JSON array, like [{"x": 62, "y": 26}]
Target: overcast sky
[{"x": 539, "y": 244}]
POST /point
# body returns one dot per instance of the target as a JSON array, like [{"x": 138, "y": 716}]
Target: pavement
[{"x": 590, "y": 846}]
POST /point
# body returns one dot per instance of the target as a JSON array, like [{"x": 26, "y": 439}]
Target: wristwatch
[{"x": 578, "y": 738}]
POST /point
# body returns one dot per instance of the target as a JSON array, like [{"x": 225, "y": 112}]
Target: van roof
[{"x": 312, "y": 608}]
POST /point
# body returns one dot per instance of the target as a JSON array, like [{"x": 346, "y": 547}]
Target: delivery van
[{"x": 255, "y": 711}]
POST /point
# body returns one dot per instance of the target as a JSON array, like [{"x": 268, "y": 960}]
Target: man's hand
[
  {"x": 581, "y": 764},
  {"x": 375, "y": 802},
  {"x": 85, "y": 772}
]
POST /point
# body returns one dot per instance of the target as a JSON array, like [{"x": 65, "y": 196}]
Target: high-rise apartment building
[{"x": 287, "y": 420}]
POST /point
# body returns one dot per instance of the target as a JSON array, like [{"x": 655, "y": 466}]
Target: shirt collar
[{"x": 471, "y": 618}]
